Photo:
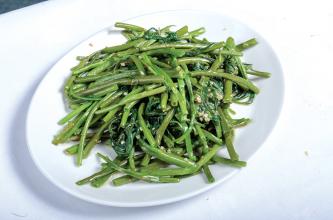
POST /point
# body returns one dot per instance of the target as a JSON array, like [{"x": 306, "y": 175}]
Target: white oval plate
[{"x": 47, "y": 107}]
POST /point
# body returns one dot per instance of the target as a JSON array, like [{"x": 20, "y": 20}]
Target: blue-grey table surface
[{"x": 10, "y": 5}]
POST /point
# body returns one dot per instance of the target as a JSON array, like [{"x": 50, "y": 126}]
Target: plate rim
[{"x": 176, "y": 198}]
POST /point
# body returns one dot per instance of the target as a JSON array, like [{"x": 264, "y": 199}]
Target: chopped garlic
[
  {"x": 219, "y": 96},
  {"x": 197, "y": 99}
]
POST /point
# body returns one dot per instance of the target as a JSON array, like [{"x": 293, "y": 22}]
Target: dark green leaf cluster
[{"x": 154, "y": 34}]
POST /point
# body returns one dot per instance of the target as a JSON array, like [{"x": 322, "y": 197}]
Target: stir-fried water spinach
[{"x": 162, "y": 98}]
